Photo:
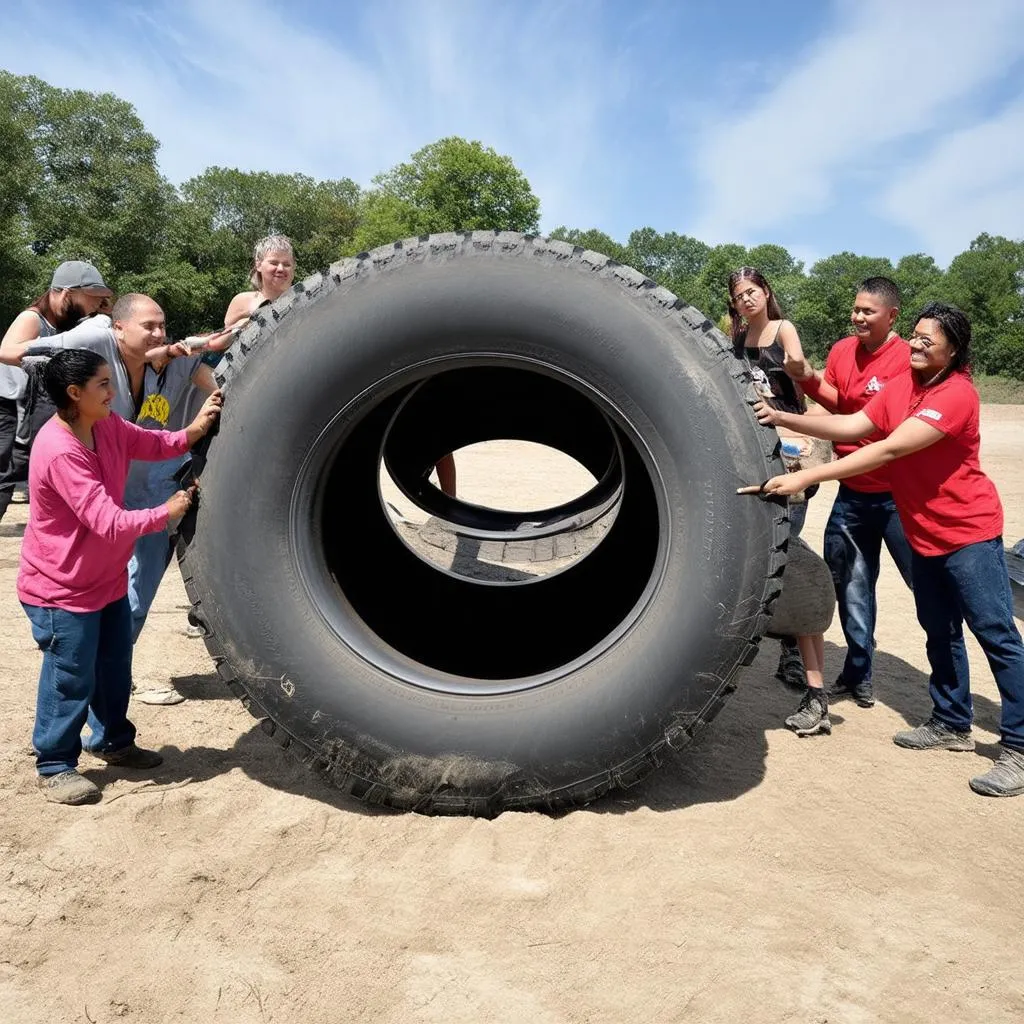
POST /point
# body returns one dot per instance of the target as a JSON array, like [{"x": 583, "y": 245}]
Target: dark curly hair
[{"x": 955, "y": 327}]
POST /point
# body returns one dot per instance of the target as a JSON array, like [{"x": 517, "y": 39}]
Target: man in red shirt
[
  {"x": 864, "y": 515},
  {"x": 928, "y": 420}
]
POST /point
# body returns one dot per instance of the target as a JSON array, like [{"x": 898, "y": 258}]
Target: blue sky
[{"x": 880, "y": 126}]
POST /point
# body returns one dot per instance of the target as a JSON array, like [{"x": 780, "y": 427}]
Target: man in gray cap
[{"x": 152, "y": 380}]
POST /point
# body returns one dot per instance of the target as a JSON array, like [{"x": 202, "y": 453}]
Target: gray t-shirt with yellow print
[{"x": 162, "y": 405}]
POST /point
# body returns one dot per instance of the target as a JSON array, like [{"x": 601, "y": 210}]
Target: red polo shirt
[
  {"x": 858, "y": 376},
  {"x": 944, "y": 499}
]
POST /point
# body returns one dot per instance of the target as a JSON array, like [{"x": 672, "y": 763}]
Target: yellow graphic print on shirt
[{"x": 155, "y": 407}]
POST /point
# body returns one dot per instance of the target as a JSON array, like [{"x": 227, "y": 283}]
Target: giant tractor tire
[{"x": 419, "y": 687}]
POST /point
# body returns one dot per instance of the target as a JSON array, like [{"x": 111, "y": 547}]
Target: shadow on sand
[{"x": 726, "y": 761}]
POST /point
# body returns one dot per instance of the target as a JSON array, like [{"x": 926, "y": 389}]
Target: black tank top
[{"x": 787, "y": 395}]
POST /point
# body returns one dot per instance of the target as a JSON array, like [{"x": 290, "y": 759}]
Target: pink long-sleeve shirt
[{"x": 79, "y": 539}]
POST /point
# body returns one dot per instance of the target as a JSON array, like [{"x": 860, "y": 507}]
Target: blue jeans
[
  {"x": 972, "y": 585},
  {"x": 149, "y": 486},
  {"x": 86, "y": 676},
  {"x": 797, "y": 517},
  {"x": 857, "y": 526},
  {"x": 149, "y": 561}
]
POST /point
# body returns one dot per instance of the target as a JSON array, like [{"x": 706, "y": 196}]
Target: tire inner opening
[{"x": 457, "y": 623}]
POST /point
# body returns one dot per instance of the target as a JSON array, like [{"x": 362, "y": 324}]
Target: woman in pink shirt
[{"x": 73, "y": 578}]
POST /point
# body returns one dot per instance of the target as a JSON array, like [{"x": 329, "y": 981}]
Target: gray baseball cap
[{"x": 79, "y": 274}]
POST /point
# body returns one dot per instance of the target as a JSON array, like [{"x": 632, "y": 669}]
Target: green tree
[
  {"x": 673, "y": 260},
  {"x": 450, "y": 185},
  {"x": 987, "y": 283},
  {"x": 784, "y": 274},
  {"x": 921, "y": 280},
  {"x": 595, "y": 240},
  {"x": 217, "y": 220},
  {"x": 711, "y": 287},
  {"x": 822, "y": 311},
  {"x": 18, "y": 179},
  {"x": 96, "y": 193}
]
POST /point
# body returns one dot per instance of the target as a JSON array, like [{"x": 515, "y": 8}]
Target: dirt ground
[{"x": 757, "y": 877}]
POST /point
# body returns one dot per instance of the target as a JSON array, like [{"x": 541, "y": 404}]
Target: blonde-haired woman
[{"x": 273, "y": 271}]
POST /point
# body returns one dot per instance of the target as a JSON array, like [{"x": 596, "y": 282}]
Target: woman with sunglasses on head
[
  {"x": 769, "y": 343},
  {"x": 76, "y": 291},
  {"x": 953, "y": 520}
]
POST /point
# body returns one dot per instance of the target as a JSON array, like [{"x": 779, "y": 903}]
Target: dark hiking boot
[
  {"x": 811, "y": 717},
  {"x": 933, "y": 735},
  {"x": 1004, "y": 778},
  {"x": 69, "y": 788},
  {"x": 860, "y": 693},
  {"x": 791, "y": 666},
  {"x": 129, "y": 757}
]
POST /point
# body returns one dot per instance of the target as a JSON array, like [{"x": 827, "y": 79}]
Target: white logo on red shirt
[
  {"x": 931, "y": 414},
  {"x": 873, "y": 386}
]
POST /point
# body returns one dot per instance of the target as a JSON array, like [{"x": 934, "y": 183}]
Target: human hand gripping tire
[
  {"x": 766, "y": 415},
  {"x": 217, "y": 341},
  {"x": 205, "y": 418},
  {"x": 783, "y": 486},
  {"x": 179, "y": 503}
]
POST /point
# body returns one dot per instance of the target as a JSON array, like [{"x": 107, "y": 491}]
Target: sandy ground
[{"x": 757, "y": 877}]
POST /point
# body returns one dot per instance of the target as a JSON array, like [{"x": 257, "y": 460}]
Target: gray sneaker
[
  {"x": 1004, "y": 778},
  {"x": 860, "y": 693},
  {"x": 129, "y": 757},
  {"x": 811, "y": 717},
  {"x": 933, "y": 735},
  {"x": 68, "y": 788}
]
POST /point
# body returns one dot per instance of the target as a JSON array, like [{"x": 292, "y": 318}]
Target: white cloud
[
  {"x": 972, "y": 181},
  {"x": 889, "y": 70},
  {"x": 238, "y": 83}
]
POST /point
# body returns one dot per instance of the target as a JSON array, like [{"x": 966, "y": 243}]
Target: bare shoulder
[
  {"x": 240, "y": 307},
  {"x": 24, "y": 327}
]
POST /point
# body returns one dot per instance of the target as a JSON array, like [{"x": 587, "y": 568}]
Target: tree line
[{"x": 79, "y": 179}]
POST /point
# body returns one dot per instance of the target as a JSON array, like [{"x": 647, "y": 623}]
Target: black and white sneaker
[
  {"x": 811, "y": 717},
  {"x": 860, "y": 693}
]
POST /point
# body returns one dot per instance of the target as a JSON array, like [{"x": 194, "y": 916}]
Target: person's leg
[
  {"x": 797, "y": 517},
  {"x": 446, "y": 476},
  {"x": 790, "y": 669},
  {"x": 15, "y": 473},
  {"x": 8, "y": 429},
  {"x": 146, "y": 569},
  {"x": 896, "y": 540},
  {"x": 940, "y": 616},
  {"x": 853, "y": 545},
  {"x": 108, "y": 719},
  {"x": 978, "y": 572},
  {"x": 69, "y": 641},
  {"x": 811, "y": 718}
]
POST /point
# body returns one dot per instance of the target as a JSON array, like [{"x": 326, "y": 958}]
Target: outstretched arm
[
  {"x": 910, "y": 436},
  {"x": 819, "y": 389},
  {"x": 828, "y": 428},
  {"x": 23, "y": 331}
]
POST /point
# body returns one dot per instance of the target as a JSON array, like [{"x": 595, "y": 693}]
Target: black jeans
[
  {"x": 8, "y": 452},
  {"x": 14, "y": 452}
]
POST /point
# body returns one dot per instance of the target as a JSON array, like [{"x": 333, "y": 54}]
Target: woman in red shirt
[{"x": 953, "y": 520}]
